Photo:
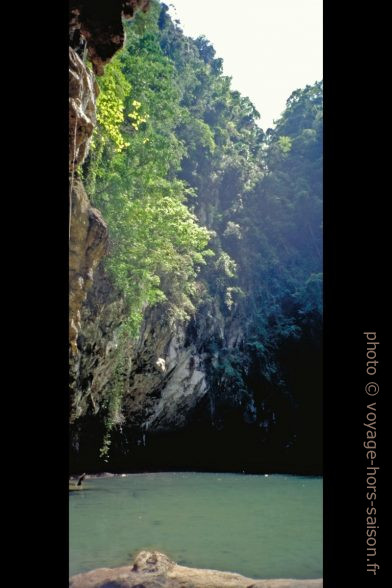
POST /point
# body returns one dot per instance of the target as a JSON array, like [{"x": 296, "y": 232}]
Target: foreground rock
[{"x": 152, "y": 569}]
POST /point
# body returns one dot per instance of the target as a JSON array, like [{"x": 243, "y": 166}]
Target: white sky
[{"x": 269, "y": 47}]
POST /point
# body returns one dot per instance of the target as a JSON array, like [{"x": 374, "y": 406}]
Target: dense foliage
[
  {"x": 203, "y": 206},
  {"x": 157, "y": 246}
]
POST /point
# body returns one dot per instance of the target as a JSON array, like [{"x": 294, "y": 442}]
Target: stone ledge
[{"x": 152, "y": 569}]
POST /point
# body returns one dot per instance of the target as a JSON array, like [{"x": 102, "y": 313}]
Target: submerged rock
[{"x": 152, "y": 569}]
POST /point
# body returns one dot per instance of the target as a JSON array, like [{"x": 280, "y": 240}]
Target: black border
[
  {"x": 355, "y": 264},
  {"x": 356, "y": 270}
]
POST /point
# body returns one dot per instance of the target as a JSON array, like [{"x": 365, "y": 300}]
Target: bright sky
[{"x": 269, "y": 47}]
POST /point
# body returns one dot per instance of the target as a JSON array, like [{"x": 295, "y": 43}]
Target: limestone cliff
[
  {"x": 183, "y": 406},
  {"x": 236, "y": 385},
  {"x": 82, "y": 94},
  {"x": 87, "y": 245},
  {"x": 95, "y": 31}
]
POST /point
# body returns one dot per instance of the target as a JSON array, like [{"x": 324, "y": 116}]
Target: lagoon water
[{"x": 261, "y": 527}]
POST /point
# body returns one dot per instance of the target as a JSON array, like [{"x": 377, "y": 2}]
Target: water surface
[{"x": 262, "y": 527}]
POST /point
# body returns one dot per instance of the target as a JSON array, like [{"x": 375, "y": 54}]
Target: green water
[{"x": 262, "y": 527}]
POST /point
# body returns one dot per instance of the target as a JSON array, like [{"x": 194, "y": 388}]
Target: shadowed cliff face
[
  {"x": 180, "y": 409},
  {"x": 99, "y": 24}
]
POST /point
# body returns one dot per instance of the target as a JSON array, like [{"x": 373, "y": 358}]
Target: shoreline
[{"x": 103, "y": 475}]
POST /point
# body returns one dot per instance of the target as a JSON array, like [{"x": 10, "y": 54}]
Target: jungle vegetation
[{"x": 200, "y": 201}]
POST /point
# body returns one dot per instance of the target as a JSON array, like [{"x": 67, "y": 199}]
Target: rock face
[
  {"x": 87, "y": 231},
  {"x": 167, "y": 371},
  {"x": 152, "y": 569},
  {"x": 87, "y": 245},
  {"x": 82, "y": 119},
  {"x": 92, "y": 369},
  {"x": 100, "y": 24},
  {"x": 164, "y": 377},
  {"x": 181, "y": 406},
  {"x": 95, "y": 27},
  {"x": 167, "y": 378}
]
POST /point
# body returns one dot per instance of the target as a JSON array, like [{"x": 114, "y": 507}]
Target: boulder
[{"x": 152, "y": 569}]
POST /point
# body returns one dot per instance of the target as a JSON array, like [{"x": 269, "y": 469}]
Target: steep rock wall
[
  {"x": 96, "y": 31},
  {"x": 87, "y": 245},
  {"x": 87, "y": 230},
  {"x": 82, "y": 116},
  {"x": 182, "y": 405},
  {"x": 93, "y": 366},
  {"x": 194, "y": 393}
]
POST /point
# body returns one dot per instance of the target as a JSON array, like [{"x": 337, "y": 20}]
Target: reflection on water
[{"x": 265, "y": 527}]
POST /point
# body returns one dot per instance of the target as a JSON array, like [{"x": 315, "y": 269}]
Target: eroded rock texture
[
  {"x": 162, "y": 372},
  {"x": 87, "y": 229},
  {"x": 152, "y": 569},
  {"x": 92, "y": 369},
  {"x": 87, "y": 245},
  {"x": 182, "y": 404},
  {"x": 82, "y": 114},
  {"x": 167, "y": 378}
]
